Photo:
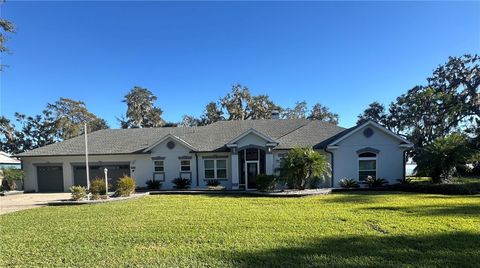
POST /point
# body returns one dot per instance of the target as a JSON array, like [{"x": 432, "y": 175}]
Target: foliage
[
  {"x": 374, "y": 182},
  {"x": 6, "y": 27},
  {"x": 125, "y": 186},
  {"x": 141, "y": 111},
  {"x": 375, "y": 112},
  {"x": 266, "y": 182},
  {"x": 338, "y": 230},
  {"x": 36, "y": 131},
  {"x": 212, "y": 183},
  {"x": 97, "y": 188},
  {"x": 78, "y": 192},
  {"x": 154, "y": 184},
  {"x": 348, "y": 183},
  {"x": 181, "y": 183},
  {"x": 405, "y": 180},
  {"x": 297, "y": 112},
  {"x": 70, "y": 116},
  {"x": 10, "y": 178},
  {"x": 440, "y": 158},
  {"x": 444, "y": 188},
  {"x": 322, "y": 113},
  {"x": 301, "y": 165}
]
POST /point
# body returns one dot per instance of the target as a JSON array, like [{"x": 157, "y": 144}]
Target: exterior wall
[
  {"x": 172, "y": 162},
  {"x": 201, "y": 171},
  {"x": 389, "y": 159},
  {"x": 140, "y": 163}
]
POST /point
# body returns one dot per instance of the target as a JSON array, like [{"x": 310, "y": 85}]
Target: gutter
[{"x": 196, "y": 168}]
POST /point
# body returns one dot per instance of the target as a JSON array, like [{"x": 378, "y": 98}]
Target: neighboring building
[
  {"x": 7, "y": 161},
  {"x": 232, "y": 152}
]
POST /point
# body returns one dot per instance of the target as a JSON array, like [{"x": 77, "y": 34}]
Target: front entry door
[{"x": 252, "y": 172}]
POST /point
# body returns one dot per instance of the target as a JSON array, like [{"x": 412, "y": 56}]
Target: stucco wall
[{"x": 389, "y": 159}]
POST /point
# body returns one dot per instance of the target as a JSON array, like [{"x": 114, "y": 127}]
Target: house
[
  {"x": 232, "y": 152},
  {"x": 7, "y": 161}
]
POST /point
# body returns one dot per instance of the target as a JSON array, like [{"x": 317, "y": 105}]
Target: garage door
[
  {"x": 50, "y": 178},
  {"x": 115, "y": 172}
]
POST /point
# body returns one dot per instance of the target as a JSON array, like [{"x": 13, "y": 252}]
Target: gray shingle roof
[{"x": 289, "y": 133}]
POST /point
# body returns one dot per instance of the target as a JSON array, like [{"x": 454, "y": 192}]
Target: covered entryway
[
  {"x": 50, "y": 179},
  {"x": 251, "y": 163},
  {"x": 115, "y": 172}
]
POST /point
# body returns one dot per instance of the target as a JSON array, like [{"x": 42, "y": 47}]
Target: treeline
[{"x": 448, "y": 103}]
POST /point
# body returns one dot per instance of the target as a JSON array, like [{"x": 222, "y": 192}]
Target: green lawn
[{"x": 348, "y": 229}]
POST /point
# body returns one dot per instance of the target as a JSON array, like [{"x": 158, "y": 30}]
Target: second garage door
[{"x": 50, "y": 179}]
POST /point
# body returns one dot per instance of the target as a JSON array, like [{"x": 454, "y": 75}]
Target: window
[
  {"x": 367, "y": 165},
  {"x": 185, "y": 165},
  {"x": 158, "y": 166},
  {"x": 221, "y": 169},
  {"x": 209, "y": 169},
  {"x": 215, "y": 169}
]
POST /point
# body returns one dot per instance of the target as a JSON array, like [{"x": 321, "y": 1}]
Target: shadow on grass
[
  {"x": 363, "y": 197},
  {"x": 453, "y": 210},
  {"x": 444, "y": 250}
]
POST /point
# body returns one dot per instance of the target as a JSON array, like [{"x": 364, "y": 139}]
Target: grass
[{"x": 343, "y": 230}]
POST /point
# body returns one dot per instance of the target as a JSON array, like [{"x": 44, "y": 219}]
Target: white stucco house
[{"x": 232, "y": 152}]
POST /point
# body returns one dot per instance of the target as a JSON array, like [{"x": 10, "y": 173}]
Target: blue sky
[{"x": 344, "y": 55}]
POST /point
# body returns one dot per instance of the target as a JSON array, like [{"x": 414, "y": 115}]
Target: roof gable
[{"x": 254, "y": 132}]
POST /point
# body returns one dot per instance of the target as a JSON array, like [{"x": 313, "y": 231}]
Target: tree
[
  {"x": 303, "y": 166},
  {"x": 322, "y": 113},
  {"x": 236, "y": 102},
  {"x": 6, "y": 27},
  {"x": 34, "y": 132},
  {"x": 11, "y": 176},
  {"x": 191, "y": 121},
  {"x": 298, "y": 111},
  {"x": 141, "y": 111},
  {"x": 70, "y": 116},
  {"x": 213, "y": 113},
  {"x": 261, "y": 107},
  {"x": 376, "y": 112},
  {"x": 440, "y": 158}
]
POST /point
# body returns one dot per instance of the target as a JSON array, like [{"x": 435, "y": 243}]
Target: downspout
[
  {"x": 332, "y": 164},
  {"x": 196, "y": 168},
  {"x": 404, "y": 165}
]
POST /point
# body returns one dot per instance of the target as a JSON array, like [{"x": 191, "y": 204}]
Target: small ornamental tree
[
  {"x": 440, "y": 158},
  {"x": 12, "y": 176},
  {"x": 302, "y": 166}
]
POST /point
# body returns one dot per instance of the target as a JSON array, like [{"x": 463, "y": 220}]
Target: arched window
[{"x": 367, "y": 165}]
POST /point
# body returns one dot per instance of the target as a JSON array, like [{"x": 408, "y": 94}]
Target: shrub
[
  {"x": 11, "y": 176},
  {"x": 302, "y": 165},
  {"x": 373, "y": 182},
  {"x": 348, "y": 183},
  {"x": 97, "y": 188},
  {"x": 78, "y": 192},
  {"x": 154, "y": 184},
  {"x": 213, "y": 183},
  {"x": 125, "y": 186},
  {"x": 444, "y": 188},
  {"x": 266, "y": 182},
  {"x": 405, "y": 180},
  {"x": 181, "y": 183}
]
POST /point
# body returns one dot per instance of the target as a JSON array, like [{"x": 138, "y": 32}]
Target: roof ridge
[{"x": 294, "y": 129}]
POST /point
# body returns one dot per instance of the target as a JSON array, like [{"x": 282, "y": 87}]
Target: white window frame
[
  {"x": 215, "y": 169},
  {"x": 182, "y": 165},
  {"x": 367, "y": 159},
  {"x": 155, "y": 166}
]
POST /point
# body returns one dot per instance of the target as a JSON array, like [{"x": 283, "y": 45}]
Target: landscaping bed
[{"x": 97, "y": 201}]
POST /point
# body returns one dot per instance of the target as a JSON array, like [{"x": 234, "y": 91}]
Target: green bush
[
  {"x": 266, "y": 182},
  {"x": 181, "y": 183},
  {"x": 302, "y": 166},
  {"x": 443, "y": 188},
  {"x": 125, "y": 186},
  {"x": 348, "y": 183},
  {"x": 154, "y": 184},
  {"x": 405, "y": 180},
  {"x": 78, "y": 192},
  {"x": 97, "y": 188},
  {"x": 374, "y": 182},
  {"x": 11, "y": 176},
  {"x": 213, "y": 183}
]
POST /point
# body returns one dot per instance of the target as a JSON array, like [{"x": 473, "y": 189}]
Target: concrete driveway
[{"x": 18, "y": 202}]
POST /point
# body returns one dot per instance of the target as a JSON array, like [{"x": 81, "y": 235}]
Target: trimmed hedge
[{"x": 441, "y": 188}]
